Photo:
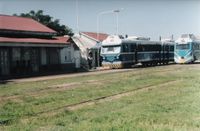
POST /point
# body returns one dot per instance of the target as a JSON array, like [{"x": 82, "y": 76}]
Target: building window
[{"x": 68, "y": 56}]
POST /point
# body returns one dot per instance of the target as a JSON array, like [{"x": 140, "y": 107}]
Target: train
[
  {"x": 187, "y": 49},
  {"x": 120, "y": 52}
]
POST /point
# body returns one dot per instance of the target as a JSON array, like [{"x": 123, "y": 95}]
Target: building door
[
  {"x": 77, "y": 58},
  {"x": 4, "y": 61},
  {"x": 35, "y": 59}
]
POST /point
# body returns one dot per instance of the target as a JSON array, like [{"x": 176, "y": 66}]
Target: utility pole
[
  {"x": 77, "y": 16},
  {"x": 108, "y": 12}
]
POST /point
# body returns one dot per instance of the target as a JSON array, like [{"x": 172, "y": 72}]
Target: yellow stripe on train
[{"x": 113, "y": 66}]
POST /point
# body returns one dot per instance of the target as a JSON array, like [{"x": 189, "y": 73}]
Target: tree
[{"x": 48, "y": 21}]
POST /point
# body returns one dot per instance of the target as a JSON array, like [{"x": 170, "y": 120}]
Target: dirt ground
[
  {"x": 67, "y": 75},
  {"x": 93, "y": 72}
]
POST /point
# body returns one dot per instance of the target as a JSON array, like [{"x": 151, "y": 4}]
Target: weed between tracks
[{"x": 42, "y": 105}]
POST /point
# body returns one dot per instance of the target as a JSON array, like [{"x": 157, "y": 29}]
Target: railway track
[
  {"x": 116, "y": 96},
  {"x": 106, "y": 98},
  {"x": 68, "y": 86},
  {"x": 101, "y": 99}
]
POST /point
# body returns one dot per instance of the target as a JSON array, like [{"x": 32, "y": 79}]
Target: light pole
[
  {"x": 117, "y": 21},
  {"x": 108, "y": 12},
  {"x": 77, "y": 18}
]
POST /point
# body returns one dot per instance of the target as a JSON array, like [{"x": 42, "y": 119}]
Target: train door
[
  {"x": 126, "y": 57},
  {"x": 136, "y": 52},
  {"x": 139, "y": 53},
  {"x": 171, "y": 52},
  {"x": 167, "y": 53},
  {"x": 4, "y": 61},
  {"x": 133, "y": 53},
  {"x": 163, "y": 53},
  {"x": 196, "y": 51},
  {"x": 160, "y": 54}
]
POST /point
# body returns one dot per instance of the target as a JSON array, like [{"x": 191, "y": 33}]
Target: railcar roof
[
  {"x": 198, "y": 41},
  {"x": 186, "y": 41},
  {"x": 141, "y": 41},
  {"x": 168, "y": 43}
]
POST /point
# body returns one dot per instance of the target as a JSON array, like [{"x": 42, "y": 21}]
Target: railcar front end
[
  {"x": 111, "y": 56},
  {"x": 183, "y": 53}
]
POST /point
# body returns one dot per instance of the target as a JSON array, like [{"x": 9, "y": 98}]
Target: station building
[
  {"x": 89, "y": 44},
  {"x": 27, "y": 47}
]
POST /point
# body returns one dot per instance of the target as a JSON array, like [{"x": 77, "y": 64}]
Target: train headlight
[
  {"x": 117, "y": 57},
  {"x": 176, "y": 55}
]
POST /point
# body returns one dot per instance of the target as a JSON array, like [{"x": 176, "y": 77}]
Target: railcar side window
[
  {"x": 132, "y": 48},
  {"x": 152, "y": 47},
  {"x": 196, "y": 46},
  {"x": 140, "y": 48},
  {"x": 171, "y": 48},
  {"x": 125, "y": 48},
  {"x": 149, "y": 47}
]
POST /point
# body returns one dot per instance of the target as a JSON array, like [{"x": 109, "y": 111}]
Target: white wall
[{"x": 67, "y": 55}]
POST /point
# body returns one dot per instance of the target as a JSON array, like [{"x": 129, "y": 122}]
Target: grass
[{"x": 41, "y": 106}]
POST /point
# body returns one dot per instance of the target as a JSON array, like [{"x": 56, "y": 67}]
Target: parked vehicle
[
  {"x": 187, "y": 49},
  {"x": 119, "y": 52}
]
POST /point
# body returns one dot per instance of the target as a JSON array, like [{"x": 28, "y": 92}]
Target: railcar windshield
[
  {"x": 182, "y": 46},
  {"x": 110, "y": 49}
]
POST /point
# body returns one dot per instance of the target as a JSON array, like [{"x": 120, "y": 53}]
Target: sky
[{"x": 150, "y": 18}]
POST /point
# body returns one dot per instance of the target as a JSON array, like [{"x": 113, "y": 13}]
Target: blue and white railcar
[
  {"x": 111, "y": 51},
  {"x": 187, "y": 49},
  {"x": 118, "y": 52},
  {"x": 148, "y": 52}
]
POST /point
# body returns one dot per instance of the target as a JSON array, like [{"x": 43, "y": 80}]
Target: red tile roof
[
  {"x": 34, "y": 40},
  {"x": 93, "y": 35},
  {"x": 63, "y": 38},
  {"x": 22, "y": 24}
]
